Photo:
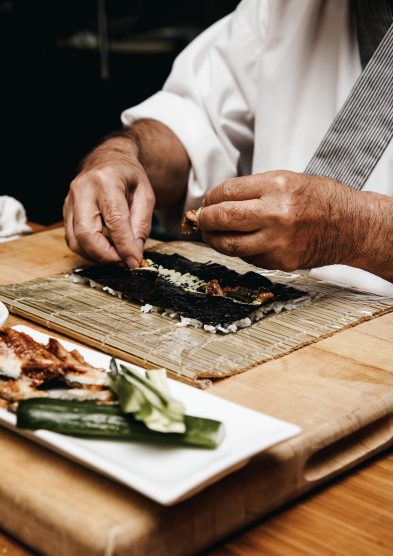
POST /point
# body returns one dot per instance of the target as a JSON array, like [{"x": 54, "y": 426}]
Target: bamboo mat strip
[{"x": 117, "y": 326}]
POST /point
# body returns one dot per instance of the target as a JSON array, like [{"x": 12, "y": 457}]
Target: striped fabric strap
[{"x": 363, "y": 127}]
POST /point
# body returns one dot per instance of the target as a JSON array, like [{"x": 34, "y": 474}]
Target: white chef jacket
[{"x": 257, "y": 91}]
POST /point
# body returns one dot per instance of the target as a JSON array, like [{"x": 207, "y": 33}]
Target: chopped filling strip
[
  {"x": 239, "y": 293},
  {"x": 213, "y": 287},
  {"x": 189, "y": 282},
  {"x": 264, "y": 296},
  {"x": 189, "y": 224},
  {"x": 144, "y": 263}
]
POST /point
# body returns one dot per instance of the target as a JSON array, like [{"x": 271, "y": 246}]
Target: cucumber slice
[
  {"x": 91, "y": 420},
  {"x": 148, "y": 398}
]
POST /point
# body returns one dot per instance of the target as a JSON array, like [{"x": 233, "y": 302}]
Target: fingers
[
  {"x": 236, "y": 244},
  {"x": 262, "y": 218},
  {"x": 251, "y": 187},
  {"x": 259, "y": 248},
  {"x": 87, "y": 227},
  {"x": 142, "y": 207},
  {"x": 98, "y": 199},
  {"x": 240, "y": 216},
  {"x": 69, "y": 231},
  {"x": 273, "y": 261},
  {"x": 236, "y": 189},
  {"x": 115, "y": 213}
]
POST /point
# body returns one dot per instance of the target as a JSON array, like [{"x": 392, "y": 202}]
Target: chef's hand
[
  {"x": 112, "y": 190},
  {"x": 282, "y": 220}
]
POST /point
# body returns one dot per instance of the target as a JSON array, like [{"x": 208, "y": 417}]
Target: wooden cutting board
[{"x": 339, "y": 390}]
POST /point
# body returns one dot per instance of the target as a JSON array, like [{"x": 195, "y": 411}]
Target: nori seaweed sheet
[{"x": 147, "y": 286}]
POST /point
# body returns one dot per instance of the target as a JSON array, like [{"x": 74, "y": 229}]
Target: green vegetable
[
  {"x": 148, "y": 398},
  {"x": 88, "y": 419}
]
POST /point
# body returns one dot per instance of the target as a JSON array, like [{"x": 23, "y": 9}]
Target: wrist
[
  {"x": 121, "y": 148},
  {"x": 353, "y": 227},
  {"x": 334, "y": 223},
  {"x": 369, "y": 252},
  {"x": 352, "y": 223}
]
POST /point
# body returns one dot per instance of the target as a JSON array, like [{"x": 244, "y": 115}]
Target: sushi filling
[{"x": 189, "y": 282}]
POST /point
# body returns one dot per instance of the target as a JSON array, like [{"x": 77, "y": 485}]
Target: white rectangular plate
[{"x": 166, "y": 474}]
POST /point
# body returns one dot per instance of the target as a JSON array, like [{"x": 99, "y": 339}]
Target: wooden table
[{"x": 352, "y": 516}]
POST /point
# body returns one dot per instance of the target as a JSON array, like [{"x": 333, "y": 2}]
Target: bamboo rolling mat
[{"x": 117, "y": 326}]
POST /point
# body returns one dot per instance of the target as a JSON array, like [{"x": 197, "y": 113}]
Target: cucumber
[
  {"x": 147, "y": 397},
  {"x": 91, "y": 420}
]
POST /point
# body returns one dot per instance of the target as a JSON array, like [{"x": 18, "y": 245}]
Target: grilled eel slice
[{"x": 29, "y": 369}]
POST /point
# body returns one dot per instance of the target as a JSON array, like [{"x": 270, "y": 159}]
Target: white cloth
[
  {"x": 12, "y": 219},
  {"x": 258, "y": 90}
]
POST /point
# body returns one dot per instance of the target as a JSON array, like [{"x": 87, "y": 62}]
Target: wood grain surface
[
  {"x": 339, "y": 390},
  {"x": 353, "y": 517},
  {"x": 350, "y": 517},
  {"x": 11, "y": 547}
]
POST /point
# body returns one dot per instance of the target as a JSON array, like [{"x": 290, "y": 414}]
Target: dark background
[{"x": 58, "y": 98}]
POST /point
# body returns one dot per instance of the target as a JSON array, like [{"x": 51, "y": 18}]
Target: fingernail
[{"x": 203, "y": 202}]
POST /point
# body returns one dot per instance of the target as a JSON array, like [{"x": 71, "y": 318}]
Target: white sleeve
[{"x": 209, "y": 99}]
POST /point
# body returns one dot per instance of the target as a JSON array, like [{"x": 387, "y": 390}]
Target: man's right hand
[{"x": 112, "y": 191}]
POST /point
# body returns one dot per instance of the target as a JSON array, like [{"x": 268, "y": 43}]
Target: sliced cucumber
[
  {"x": 87, "y": 419},
  {"x": 147, "y": 397}
]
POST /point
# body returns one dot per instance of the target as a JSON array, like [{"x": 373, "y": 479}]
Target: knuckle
[
  {"x": 80, "y": 183},
  {"x": 150, "y": 197},
  {"x": 205, "y": 216},
  {"x": 282, "y": 179},
  {"x": 230, "y": 246},
  {"x": 236, "y": 212},
  {"x": 228, "y": 188},
  {"x": 206, "y": 201},
  {"x": 114, "y": 216},
  {"x": 144, "y": 229},
  {"x": 82, "y": 233},
  {"x": 283, "y": 213},
  {"x": 100, "y": 176},
  {"x": 224, "y": 216},
  {"x": 114, "y": 219},
  {"x": 75, "y": 186},
  {"x": 252, "y": 212},
  {"x": 290, "y": 264}
]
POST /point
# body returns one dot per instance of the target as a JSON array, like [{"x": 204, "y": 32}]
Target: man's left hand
[{"x": 283, "y": 220}]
